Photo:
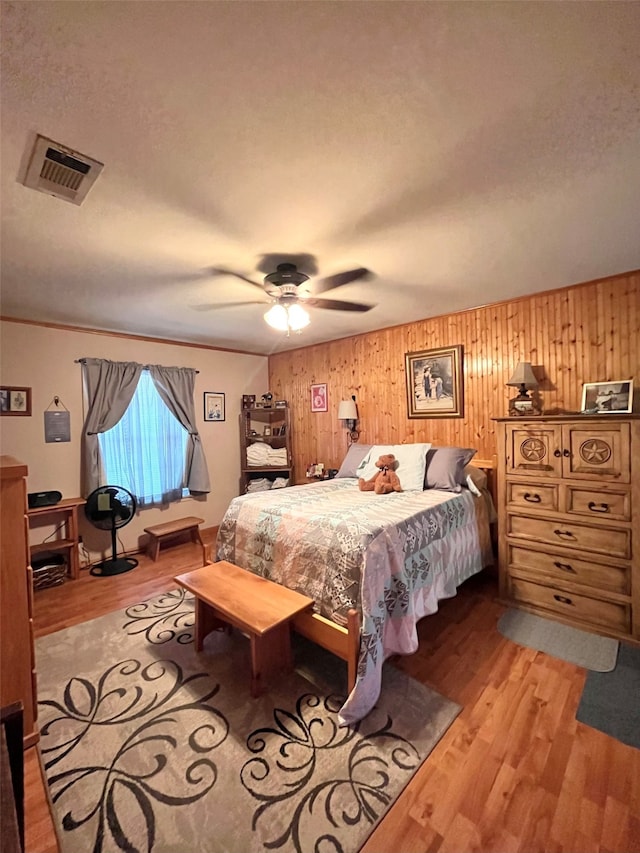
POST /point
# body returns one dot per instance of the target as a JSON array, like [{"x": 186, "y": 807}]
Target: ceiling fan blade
[
  {"x": 212, "y": 306},
  {"x": 221, "y": 271},
  {"x": 336, "y": 305},
  {"x": 340, "y": 279}
]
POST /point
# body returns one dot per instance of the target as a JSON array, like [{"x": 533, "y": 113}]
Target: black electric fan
[{"x": 109, "y": 508}]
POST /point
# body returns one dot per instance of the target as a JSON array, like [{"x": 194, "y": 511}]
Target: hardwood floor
[{"x": 515, "y": 772}]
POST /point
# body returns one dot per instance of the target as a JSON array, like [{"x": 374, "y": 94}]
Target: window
[{"x": 146, "y": 450}]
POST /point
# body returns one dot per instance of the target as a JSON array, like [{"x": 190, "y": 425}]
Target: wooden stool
[
  {"x": 159, "y": 532},
  {"x": 227, "y": 595}
]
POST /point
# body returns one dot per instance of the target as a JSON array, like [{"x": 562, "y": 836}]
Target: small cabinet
[
  {"x": 18, "y": 670},
  {"x": 534, "y": 449},
  {"x": 573, "y": 451},
  {"x": 265, "y": 448}
]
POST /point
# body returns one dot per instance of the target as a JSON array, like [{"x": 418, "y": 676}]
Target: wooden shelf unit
[
  {"x": 258, "y": 420},
  {"x": 65, "y": 512}
]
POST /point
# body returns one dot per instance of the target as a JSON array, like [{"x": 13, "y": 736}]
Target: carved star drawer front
[
  {"x": 597, "y": 452},
  {"x": 569, "y": 507}
]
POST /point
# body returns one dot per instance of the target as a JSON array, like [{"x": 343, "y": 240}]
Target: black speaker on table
[{"x": 36, "y": 499}]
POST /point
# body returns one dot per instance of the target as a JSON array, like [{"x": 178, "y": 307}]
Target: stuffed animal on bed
[{"x": 386, "y": 480}]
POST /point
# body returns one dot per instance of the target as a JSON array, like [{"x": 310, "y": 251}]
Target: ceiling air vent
[{"x": 60, "y": 171}]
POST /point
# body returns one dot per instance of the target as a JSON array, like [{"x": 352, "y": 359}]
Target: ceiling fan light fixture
[
  {"x": 287, "y": 318},
  {"x": 298, "y": 317}
]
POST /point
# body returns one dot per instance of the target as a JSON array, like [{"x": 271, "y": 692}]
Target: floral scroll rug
[{"x": 150, "y": 746}]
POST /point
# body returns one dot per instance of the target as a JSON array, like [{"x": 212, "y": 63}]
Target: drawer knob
[
  {"x": 534, "y": 499},
  {"x": 557, "y": 452},
  {"x": 564, "y": 534},
  {"x": 594, "y": 507},
  {"x": 565, "y": 567},
  {"x": 563, "y": 599},
  {"x": 566, "y": 453}
]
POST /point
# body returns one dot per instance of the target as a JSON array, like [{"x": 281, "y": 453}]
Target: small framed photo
[
  {"x": 248, "y": 401},
  {"x": 434, "y": 383},
  {"x": 607, "y": 397},
  {"x": 213, "y": 406},
  {"x": 15, "y": 401},
  {"x": 319, "y": 400}
]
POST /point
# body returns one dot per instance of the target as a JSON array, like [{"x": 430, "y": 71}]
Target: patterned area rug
[{"x": 149, "y": 746}]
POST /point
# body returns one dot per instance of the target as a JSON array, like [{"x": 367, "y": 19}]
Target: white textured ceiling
[{"x": 463, "y": 152}]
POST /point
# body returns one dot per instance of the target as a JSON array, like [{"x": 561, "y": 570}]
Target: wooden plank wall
[{"x": 585, "y": 333}]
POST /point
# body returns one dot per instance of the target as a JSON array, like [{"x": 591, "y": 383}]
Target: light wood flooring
[{"x": 515, "y": 771}]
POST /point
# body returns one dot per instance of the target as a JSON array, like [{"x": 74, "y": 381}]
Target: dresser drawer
[
  {"x": 607, "y": 614},
  {"x": 536, "y": 496},
  {"x": 599, "y": 504},
  {"x": 602, "y": 540},
  {"x": 562, "y": 568}
]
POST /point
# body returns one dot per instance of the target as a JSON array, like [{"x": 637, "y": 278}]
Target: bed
[{"x": 373, "y": 564}]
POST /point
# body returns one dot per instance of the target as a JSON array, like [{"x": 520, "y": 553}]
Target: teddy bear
[{"x": 386, "y": 480}]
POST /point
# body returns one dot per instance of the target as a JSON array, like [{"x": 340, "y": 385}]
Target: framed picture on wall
[
  {"x": 15, "y": 401},
  {"x": 434, "y": 383},
  {"x": 607, "y": 397},
  {"x": 213, "y": 406},
  {"x": 319, "y": 399}
]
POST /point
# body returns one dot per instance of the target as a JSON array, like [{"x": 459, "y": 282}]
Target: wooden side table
[{"x": 65, "y": 512}]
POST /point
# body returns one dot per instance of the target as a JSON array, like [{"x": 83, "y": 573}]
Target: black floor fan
[{"x": 109, "y": 508}]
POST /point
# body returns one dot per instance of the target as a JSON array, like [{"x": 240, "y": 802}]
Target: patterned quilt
[{"x": 392, "y": 557}]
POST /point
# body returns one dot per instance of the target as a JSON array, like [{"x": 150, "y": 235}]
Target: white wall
[{"x": 43, "y": 359}]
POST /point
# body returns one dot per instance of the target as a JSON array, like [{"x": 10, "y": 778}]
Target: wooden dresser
[
  {"x": 569, "y": 519},
  {"x": 17, "y": 673}
]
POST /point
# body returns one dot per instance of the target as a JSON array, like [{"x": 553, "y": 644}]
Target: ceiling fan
[{"x": 285, "y": 288}]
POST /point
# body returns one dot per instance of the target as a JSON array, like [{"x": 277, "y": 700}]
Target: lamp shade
[
  {"x": 287, "y": 317},
  {"x": 347, "y": 410},
  {"x": 523, "y": 375}
]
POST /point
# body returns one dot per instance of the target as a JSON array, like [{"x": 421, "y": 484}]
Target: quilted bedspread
[{"x": 392, "y": 557}]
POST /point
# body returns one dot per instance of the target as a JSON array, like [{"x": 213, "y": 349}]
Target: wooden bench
[
  {"x": 226, "y": 595},
  {"x": 170, "y": 529}
]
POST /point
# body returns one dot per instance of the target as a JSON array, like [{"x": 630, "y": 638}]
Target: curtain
[
  {"x": 109, "y": 385},
  {"x": 175, "y": 385}
]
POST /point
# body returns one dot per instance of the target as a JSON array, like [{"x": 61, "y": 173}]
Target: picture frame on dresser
[{"x": 601, "y": 398}]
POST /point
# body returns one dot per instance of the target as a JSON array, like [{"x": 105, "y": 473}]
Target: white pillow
[{"x": 411, "y": 459}]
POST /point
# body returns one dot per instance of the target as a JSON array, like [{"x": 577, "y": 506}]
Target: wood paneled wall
[{"x": 585, "y": 333}]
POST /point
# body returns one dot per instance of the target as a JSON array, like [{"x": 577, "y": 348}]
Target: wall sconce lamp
[
  {"x": 523, "y": 378},
  {"x": 347, "y": 411}
]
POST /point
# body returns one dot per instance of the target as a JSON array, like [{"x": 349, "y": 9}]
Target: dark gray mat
[
  {"x": 558, "y": 640},
  {"x": 611, "y": 700}
]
